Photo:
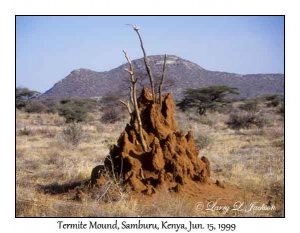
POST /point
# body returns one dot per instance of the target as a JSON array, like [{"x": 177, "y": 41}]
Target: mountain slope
[{"x": 183, "y": 74}]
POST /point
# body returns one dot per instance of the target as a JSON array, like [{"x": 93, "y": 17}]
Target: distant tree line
[{"x": 202, "y": 100}]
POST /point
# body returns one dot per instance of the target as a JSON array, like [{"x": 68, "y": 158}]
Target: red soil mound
[{"x": 171, "y": 159}]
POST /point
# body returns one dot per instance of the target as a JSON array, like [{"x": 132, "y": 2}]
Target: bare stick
[
  {"x": 162, "y": 80},
  {"x": 131, "y": 96},
  {"x": 127, "y": 106},
  {"x": 135, "y": 104},
  {"x": 136, "y": 28}
]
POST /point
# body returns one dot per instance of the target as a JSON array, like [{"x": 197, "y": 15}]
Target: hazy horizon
[{"x": 48, "y": 48}]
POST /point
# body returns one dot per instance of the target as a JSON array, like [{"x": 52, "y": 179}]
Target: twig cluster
[{"x": 133, "y": 95}]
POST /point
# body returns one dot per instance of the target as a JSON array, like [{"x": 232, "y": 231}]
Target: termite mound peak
[{"x": 171, "y": 159}]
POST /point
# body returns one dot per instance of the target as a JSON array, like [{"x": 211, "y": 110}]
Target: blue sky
[{"x": 49, "y": 48}]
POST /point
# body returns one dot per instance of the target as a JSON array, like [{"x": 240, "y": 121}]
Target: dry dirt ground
[{"x": 248, "y": 163}]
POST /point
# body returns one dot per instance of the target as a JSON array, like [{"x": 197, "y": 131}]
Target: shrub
[
  {"x": 90, "y": 105},
  {"x": 112, "y": 110},
  {"x": 110, "y": 100},
  {"x": 274, "y": 103},
  {"x": 20, "y": 104},
  {"x": 279, "y": 143},
  {"x": 249, "y": 106},
  {"x": 273, "y": 100},
  {"x": 271, "y": 97},
  {"x": 51, "y": 110},
  {"x": 73, "y": 134},
  {"x": 25, "y": 131},
  {"x": 65, "y": 101},
  {"x": 281, "y": 109},
  {"x": 205, "y": 120},
  {"x": 244, "y": 120},
  {"x": 46, "y": 132},
  {"x": 111, "y": 116},
  {"x": 51, "y": 104},
  {"x": 224, "y": 109},
  {"x": 35, "y": 107},
  {"x": 203, "y": 141},
  {"x": 72, "y": 113}
]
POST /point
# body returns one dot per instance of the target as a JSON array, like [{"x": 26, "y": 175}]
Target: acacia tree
[
  {"x": 25, "y": 93},
  {"x": 205, "y": 98}
]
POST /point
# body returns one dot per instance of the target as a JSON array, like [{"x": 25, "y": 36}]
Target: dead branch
[
  {"x": 130, "y": 71},
  {"x": 131, "y": 96},
  {"x": 127, "y": 105},
  {"x": 136, "y": 28},
  {"x": 135, "y": 104},
  {"x": 162, "y": 80}
]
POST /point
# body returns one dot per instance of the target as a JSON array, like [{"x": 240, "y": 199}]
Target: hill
[{"x": 180, "y": 74}]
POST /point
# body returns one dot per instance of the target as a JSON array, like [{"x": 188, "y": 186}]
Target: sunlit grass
[{"x": 251, "y": 159}]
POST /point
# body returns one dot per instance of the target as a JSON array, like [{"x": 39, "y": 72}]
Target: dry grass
[{"x": 253, "y": 159}]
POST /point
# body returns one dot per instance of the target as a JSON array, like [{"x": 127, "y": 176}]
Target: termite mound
[{"x": 171, "y": 158}]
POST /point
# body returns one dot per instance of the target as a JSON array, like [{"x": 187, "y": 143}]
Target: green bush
[
  {"x": 65, "y": 101},
  {"x": 273, "y": 100},
  {"x": 89, "y": 104},
  {"x": 51, "y": 104},
  {"x": 249, "y": 106},
  {"x": 72, "y": 113}
]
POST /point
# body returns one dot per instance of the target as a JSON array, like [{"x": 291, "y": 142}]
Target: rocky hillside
[{"x": 180, "y": 74}]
